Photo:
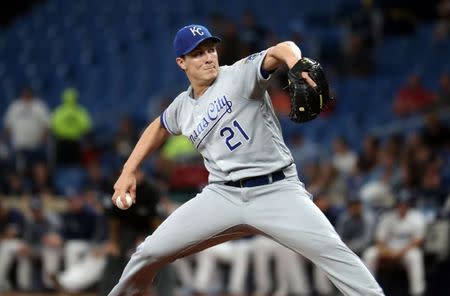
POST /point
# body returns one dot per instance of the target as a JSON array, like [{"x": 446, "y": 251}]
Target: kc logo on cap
[
  {"x": 196, "y": 30},
  {"x": 189, "y": 37}
]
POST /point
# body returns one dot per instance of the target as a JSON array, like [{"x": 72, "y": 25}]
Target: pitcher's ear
[{"x": 181, "y": 62}]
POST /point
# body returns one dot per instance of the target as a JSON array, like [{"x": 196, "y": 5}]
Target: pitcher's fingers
[
  {"x": 114, "y": 197},
  {"x": 122, "y": 195},
  {"x": 133, "y": 194},
  {"x": 308, "y": 79},
  {"x": 116, "y": 194}
]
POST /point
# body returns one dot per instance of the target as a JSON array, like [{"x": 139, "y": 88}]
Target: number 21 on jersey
[{"x": 230, "y": 132}]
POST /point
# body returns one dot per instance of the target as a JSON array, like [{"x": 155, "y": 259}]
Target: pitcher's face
[{"x": 202, "y": 64}]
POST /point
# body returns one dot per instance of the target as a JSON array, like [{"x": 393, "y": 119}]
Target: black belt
[{"x": 258, "y": 180}]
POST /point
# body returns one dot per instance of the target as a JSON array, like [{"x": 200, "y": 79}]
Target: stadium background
[{"x": 118, "y": 57}]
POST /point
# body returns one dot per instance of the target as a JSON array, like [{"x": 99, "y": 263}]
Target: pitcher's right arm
[{"x": 153, "y": 137}]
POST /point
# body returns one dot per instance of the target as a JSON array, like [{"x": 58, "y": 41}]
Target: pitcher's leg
[
  {"x": 204, "y": 221},
  {"x": 287, "y": 214},
  {"x": 321, "y": 282}
]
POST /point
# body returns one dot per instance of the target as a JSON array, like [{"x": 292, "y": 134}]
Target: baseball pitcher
[{"x": 253, "y": 187}]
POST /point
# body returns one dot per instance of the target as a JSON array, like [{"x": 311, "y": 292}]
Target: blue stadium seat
[{"x": 69, "y": 178}]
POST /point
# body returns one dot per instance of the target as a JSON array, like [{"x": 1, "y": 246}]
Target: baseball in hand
[{"x": 128, "y": 202}]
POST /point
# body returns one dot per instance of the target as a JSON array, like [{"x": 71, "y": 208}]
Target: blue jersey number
[{"x": 229, "y": 133}]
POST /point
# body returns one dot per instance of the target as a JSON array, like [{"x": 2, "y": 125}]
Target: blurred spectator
[
  {"x": 12, "y": 224},
  {"x": 363, "y": 18},
  {"x": 344, "y": 159},
  {"x": 368, "y": 156},
  {"x": 236, "y": 253},
  {"x": 357, "y": 179},
  {"x": 218, "y": 22},
  {"x": 443, "y": 93},
  {"x": 228, "y": 49},
  {"x": 387, "y": 168},
  {"x": 16, "y": 184},
  {"x": 180, "y": 149},
  {"x": 412, "y": 97},
  {"x": 323, "y": 202},
  {"x": 41, "y": 241},
  {"x": 127, "y": 229},
  {"x": 431, "y": 192},
  {"x": 398, "y": 17},
  {"x": 412, "y": 141},
  {"x": 5, "y": 161},
  {"x": 399, "y": 236},
  {"x": 331, "y": 184},
  {"x": 181, "y": 165},
  {"x": 377, "y": 196},
  {"x": 376, "y": 192},
  {"x": 272, "y": 38},
  {"x": 356, "y": 58},
  {"x": 304, "y": 150},
  {"x": 79, "y": 228},
  {"x": 299, "y": 34},
  {"x": 445, "y": 211},
  {"x": 97, "y": 182},
  {"x": 250, "y": 34},
  {"x": 442, "y": 29},
  {"x": 435, "y": 133},
  {"x": 86, "y": 254},
  {"x": 27, "y": 121},
  {"x": 418, "y": 157},
  {"x": 184, "y": 270},
  {"x": 70, "y": 122},
  {"x": 334, "y": 185},
  {"x": 445, "y": 171},
  {"x": 311, "y": 173},
  {"x": 125, "y": 138},
  {"x": 289, "y": 270},
  {"x": 92, "y": 148},
  {"x": 394, "y": 145},
  {"x": 41, "y": 180},
  {"x": 356, "y": 226}
]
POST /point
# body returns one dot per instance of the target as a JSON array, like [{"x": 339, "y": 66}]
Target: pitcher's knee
[
  {"x": 328, "y": 246},
  {"x": 151, "y": 253}
]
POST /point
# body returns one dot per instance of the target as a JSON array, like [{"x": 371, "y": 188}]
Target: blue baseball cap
[{"x": 189, "y": 37}]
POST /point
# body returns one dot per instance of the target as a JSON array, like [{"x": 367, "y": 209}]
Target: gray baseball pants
[{"x": 282, "y": 211}]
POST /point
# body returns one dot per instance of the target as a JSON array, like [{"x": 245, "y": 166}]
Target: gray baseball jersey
[{"x": 233, "y": 124}]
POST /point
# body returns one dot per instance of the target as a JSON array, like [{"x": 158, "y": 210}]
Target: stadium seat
[{"x": 69, "y": 178}]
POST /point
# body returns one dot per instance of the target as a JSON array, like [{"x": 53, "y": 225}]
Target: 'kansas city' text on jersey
[{"x": 220, "y": 123}]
